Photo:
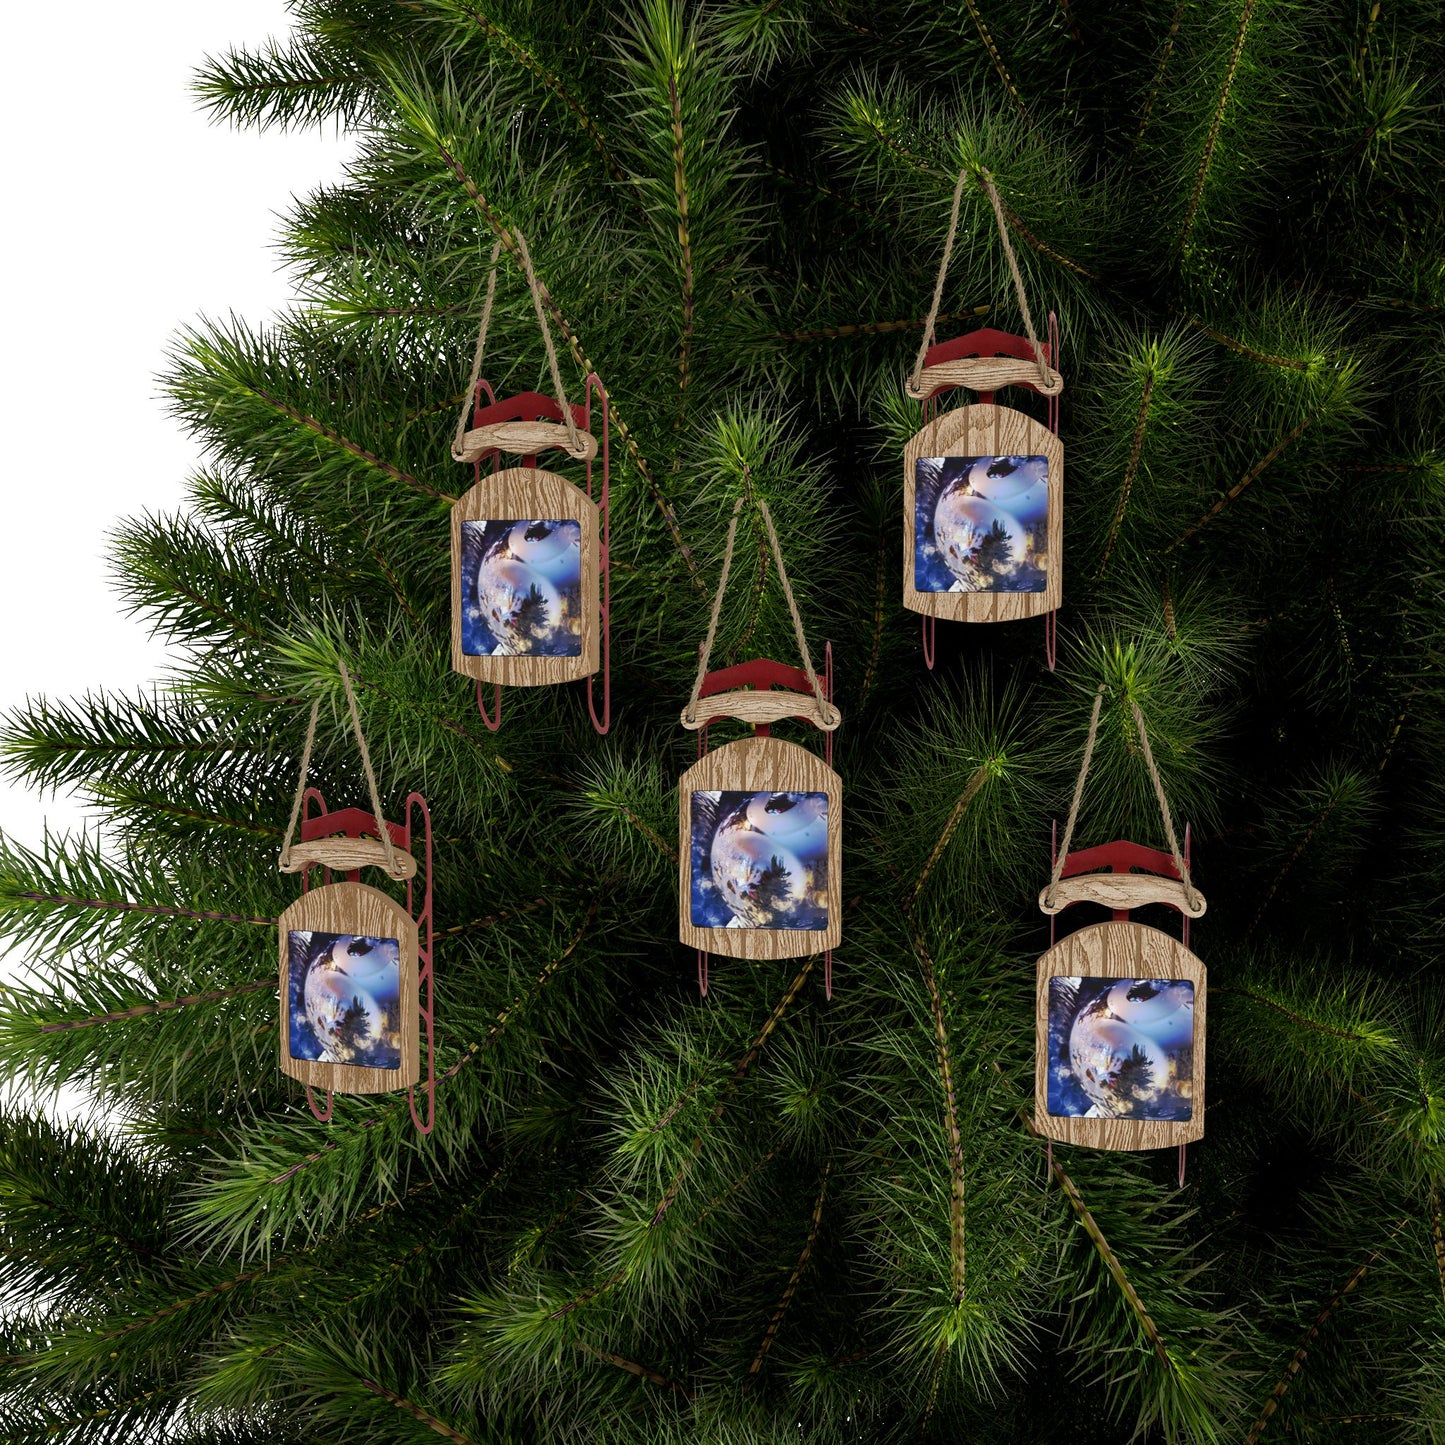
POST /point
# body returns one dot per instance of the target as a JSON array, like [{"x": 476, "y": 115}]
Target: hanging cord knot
[
  {"x": 1193, "y": 901},
  {"x": 826, "y": 716},
  {"x": 1050, "y": 382},
  {"x": 580, "y": 446},
  {"x": 398, "y": 864}
]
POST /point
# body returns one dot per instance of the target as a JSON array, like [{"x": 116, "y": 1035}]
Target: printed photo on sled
[
  {"x": 521, "y": 584},
  {"x": 759, "y": 860},
  {"x": 1121, "y": 1048},
  {"x": 980, "y": 524},
  {"x": 344, "y": 999}
]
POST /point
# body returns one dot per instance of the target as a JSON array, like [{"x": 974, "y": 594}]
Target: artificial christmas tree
[{"x": 758, "y": 1217}]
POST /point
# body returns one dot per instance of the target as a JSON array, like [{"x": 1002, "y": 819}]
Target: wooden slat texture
[
  {"x": 977, "y": 373},
  {"x": 342, "y": 855},
  {"x": 760, "y": 706},
  {"x": 517, "y": 494},
  {"x": 1121, "y": 891},
  {"x": 360, "y": 909},
  {"x": 1118, "y": 950},
  {"x": 761, "y": 765},
  {"x": 523, "y": 438},
  {"x": 986, "y": 431}
]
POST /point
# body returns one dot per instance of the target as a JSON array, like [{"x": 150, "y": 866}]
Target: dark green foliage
[{"x": 644, "y": 1218}]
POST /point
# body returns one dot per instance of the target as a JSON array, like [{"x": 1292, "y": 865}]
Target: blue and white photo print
[
  {"x": 521, "y": 585},
  {"x": 980, "y": 524}
]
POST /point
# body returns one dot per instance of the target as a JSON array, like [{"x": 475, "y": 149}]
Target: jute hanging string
[
  {"x": 1001, "y": 372},
  {"x": 759, "y": 706},
  {"x": 469, "y": 446},
  {"x": 343, "y": 852},
  {"x": 1193, "y": 900}
]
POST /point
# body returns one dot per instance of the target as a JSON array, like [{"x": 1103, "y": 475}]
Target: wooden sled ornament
[
  {"x": 1120, "y": 1011},
  {"x": 356, "y": 977},
  {"x": 531, "y": 584},
  {"x": 760, "y": 822},
  {"x": 983, "y": 484},
  {"x": 1120, "y": 1007}
]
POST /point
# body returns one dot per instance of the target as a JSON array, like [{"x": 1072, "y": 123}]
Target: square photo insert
[
  {"x": 1121, "y": 1048},
  {"x": 980, "y": 524},
  {"x": 759, "y": 860},
  {"x": 521, "y": 583},
  {"x": 344, "y": 994}
]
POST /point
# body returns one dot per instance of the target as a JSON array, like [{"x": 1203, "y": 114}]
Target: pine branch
[
  {"x": 160, "y": 1006},
  {"x": 350, "y": 448},
  {"x": 550, "y": 82},
  {"x": 970, "y": 791},
  {"x": 998, "y": 62},
  {"x": 1166, "y": 50},
  {"x": 1249, "y": 478},
  {"x": 1297, "y": 1360},
  {"x": 957, "y": 1240},
  {"x": 1111, "y": 1262},
  {"x": 879, "y": 328},
  {"x": 790, "y": 1289},
  {"x": 684, "y": 238},
  {"x": 416, "y": 1412},
  {"x": 641, "y": 1371},
  {"x": 125, "y": 905},
  {"x": 1211, "y": 139},
  {"x": 1128, "y": 483},
  {"x": 739, "y": 1073}
]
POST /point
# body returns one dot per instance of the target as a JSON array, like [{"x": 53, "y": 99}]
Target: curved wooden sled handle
[
  {"x": 762, "y": 707},
  {"x": 524, "y": 438},
  {"x": 983, "y": 373},
  {"x": 1120, "y": 891},
  {"x": 346, "y": 855}
]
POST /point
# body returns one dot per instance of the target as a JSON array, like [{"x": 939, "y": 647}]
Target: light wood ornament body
[
  {"x": 1122, "y": 892},
  {"x": 754, "y": 706},
  {"x": 983, "y": 373},
  {"x": 354, "y": 908},
  {"x": 515, "y": 494},
  {"x": 986, "y": 431},
  {"x": 754, "y": 765},
  {"x": 343, "y": 855},
  {"x": 522, "y": 438},
  {"x": 1118, "y": 950}
]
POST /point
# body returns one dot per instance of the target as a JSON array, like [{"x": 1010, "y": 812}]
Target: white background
[{"x": 130, "y": 214}]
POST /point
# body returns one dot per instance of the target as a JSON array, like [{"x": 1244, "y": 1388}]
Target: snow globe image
[
  {"x": 345, "y": 999},
  {"x": 1121, "y": 1048},
  {"x": 759, "y": 860},
  {"x": 981, "y": 524},
  {"x": 521, "y": 584}
]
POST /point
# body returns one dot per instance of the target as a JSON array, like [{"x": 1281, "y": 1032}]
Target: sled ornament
[
  {"x": 983, "y": 484},
  {"x": 1120, "y": 1027},
  {"x": 356, "y": 977},
  {"x": 530, "y": 552},
  {"x": 760, "y": 819},
  {"x": 1120, "y": 1007}
]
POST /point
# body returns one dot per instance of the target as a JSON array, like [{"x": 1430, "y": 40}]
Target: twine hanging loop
[
  {"x": 760, "y": 707},
  {"x": 579, "y": 444},
  {"x": 342, "y": 852},
  {"x": 1193, "y": 900},
  {"x": 1046, "y": 380}
]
